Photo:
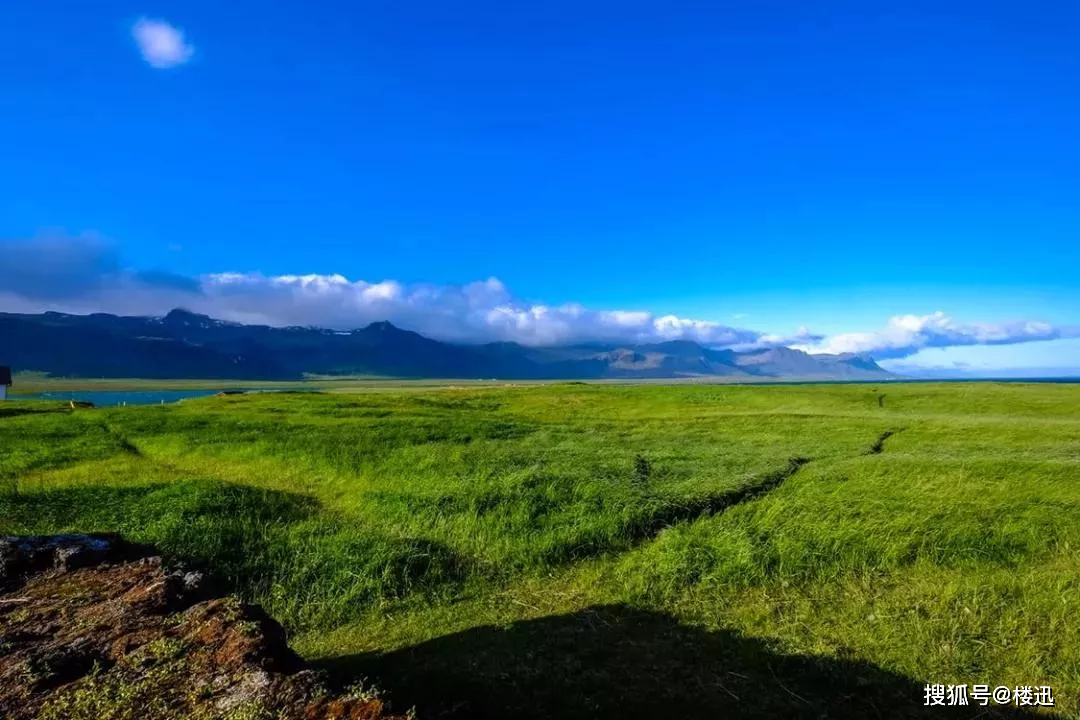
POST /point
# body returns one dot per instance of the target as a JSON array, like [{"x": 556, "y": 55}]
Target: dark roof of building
[{"x": 5, "y": 375}]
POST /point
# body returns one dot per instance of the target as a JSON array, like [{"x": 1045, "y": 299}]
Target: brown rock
[{"x": 93, "y": 627}]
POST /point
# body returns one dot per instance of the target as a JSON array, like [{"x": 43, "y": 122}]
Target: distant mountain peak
[
  {"x": 861, "y": 360},
  {"x": 782, "y": 351},
  {"x": 179, "y": 316},
  {"x": 678, "y": 346}
]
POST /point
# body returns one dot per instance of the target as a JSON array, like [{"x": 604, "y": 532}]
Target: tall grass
[{"x": 934, "y": 534}]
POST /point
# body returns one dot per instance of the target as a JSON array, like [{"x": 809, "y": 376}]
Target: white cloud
[
  {"x": 906, "y": 335},
  {"x": 85, "y": 274},
  {"x": 479, "y": 311},
  {"x": 161, "y": 44},
  {"x": 80, "y": 274}
]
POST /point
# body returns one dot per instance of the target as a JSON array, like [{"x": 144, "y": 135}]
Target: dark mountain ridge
[{"x": 183, "y": 344}]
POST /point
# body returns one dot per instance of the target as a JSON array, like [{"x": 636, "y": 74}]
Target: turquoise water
[{"x": 112, "y": 398}]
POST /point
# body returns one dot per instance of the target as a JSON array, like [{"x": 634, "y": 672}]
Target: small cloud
[
  {"x": 161, "y": 44},
  {"x": 740, "y": 316}
]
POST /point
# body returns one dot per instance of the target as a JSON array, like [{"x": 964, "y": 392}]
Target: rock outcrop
[{"x": 93, "y": 627}]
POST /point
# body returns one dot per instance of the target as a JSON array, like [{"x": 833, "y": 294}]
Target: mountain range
[{"x": 186, "y": 345}]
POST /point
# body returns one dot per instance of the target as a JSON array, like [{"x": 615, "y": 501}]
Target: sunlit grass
[{"x": 932, "y": 532}]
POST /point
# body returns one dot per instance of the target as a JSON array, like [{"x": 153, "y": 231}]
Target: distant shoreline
[{"x": 34, "y": 384}]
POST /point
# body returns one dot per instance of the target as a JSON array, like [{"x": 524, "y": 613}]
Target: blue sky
[{"x": 772, "y": 165}]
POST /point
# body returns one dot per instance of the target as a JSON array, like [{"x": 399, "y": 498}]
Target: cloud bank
[
  {"x": 85, "y": 274},
  {"x": 905, "y": 335},
  {"x": 161, "y": 44}
]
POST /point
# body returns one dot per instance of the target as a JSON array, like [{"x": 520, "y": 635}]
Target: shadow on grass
[
  {"x": 617, "y": 662},
  {"x": 9, "y": 412},
  {"x": 310, "y": 566}
]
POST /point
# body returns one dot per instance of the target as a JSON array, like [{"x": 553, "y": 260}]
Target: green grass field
[{"x": 590, "y": 551}]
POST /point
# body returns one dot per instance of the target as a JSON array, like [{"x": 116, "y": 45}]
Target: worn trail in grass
[{"x": 456, "y": 546}]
